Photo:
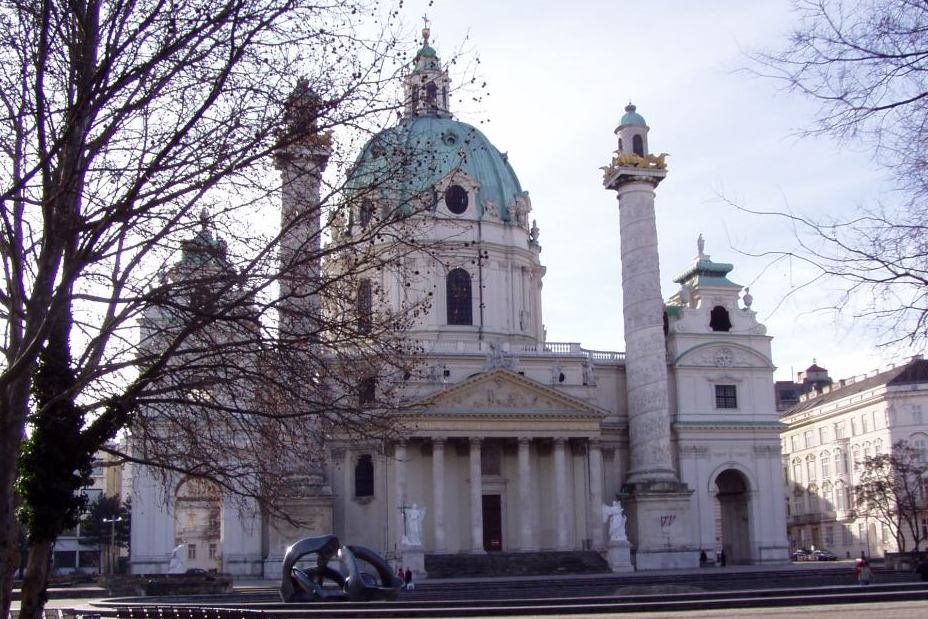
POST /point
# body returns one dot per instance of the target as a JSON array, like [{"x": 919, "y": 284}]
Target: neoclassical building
[
  {"x": 515, "y": 443},
  {"x": 828, "y": 433}
]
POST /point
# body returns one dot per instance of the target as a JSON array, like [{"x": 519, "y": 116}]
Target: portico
[{"x": 500, "y": 463}]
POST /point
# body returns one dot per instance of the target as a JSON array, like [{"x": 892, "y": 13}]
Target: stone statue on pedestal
[
  {"x": 615, "y": 517},
  {"x": 414, "y": 517}
]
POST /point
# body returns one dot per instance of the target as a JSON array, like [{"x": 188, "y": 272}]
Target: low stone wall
[
  {"x": 166, "y": 584},
  {"x": 904, "y": 561}
]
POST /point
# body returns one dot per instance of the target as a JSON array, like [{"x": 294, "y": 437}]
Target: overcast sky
[{"x": 559, "y": 75}]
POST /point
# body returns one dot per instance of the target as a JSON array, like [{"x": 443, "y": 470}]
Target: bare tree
[
  {"x": 120, "y": 123},
  {"x": 891, "y": 490},
  {"x": 866, "y": 63}
]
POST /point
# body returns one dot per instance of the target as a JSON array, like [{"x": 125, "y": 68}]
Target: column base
[{"x": 619, "y": 557}]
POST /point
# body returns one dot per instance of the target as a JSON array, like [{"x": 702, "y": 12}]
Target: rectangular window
[
  {"x": 848, "y": 538},
  {"x": 212, "y": 551},
  {"x": 64, "y": 558},
  {"x": 726, "y": 396},
  {"x": 191, "y": 552},
  {"x": 88, "y": 558},
  {"x": 364, "y": 476},
  {"x": 829, "y": 536},
  {"x": 839, "y": 430},
  {"x": 822, "y": 435},
  {"x": 861, "y": 533},
  {"x": 917, "y": 414},
  {"x": 864, "y": 426},
  {"x": 807, "y": 438},
  {"x": 794, "y": 441},
  {"x": 367, "y": 391},
  {"x": 853, "y": 427}
]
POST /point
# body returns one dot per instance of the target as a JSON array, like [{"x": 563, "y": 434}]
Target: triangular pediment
[{"x": 500, "y": 392}]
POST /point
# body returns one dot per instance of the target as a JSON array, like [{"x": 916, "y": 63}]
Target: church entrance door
[
  {"x": 492, "y": 523},
  {"x": 733, "y": 503}
]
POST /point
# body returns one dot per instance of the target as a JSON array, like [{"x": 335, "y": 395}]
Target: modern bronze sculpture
[{"x": 352, "y": 583}]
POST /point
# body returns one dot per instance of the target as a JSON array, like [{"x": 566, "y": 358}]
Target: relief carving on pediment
[{"x": 500, "y": 394}]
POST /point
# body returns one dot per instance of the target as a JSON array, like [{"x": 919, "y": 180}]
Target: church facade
[{"x": 517, "y": 444}]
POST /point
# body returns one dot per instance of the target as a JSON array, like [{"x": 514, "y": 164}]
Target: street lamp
[{"x": 112, "y": 522}]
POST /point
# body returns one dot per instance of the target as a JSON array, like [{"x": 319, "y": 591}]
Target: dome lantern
[{"x": 427, "y": 85}]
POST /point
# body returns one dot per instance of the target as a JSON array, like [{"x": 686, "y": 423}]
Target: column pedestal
[{"x": 660, "y": 526}]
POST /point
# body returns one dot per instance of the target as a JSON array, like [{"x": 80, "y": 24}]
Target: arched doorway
[
  {"x": 732, "y": 495},
  {"x": 197, "y": 512}
]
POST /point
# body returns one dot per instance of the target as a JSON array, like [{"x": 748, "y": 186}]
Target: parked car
[
  {"x": 801, "y": 555},
  {"x": 824, "y": 555}
]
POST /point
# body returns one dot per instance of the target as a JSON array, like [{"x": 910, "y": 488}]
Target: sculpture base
[
  {"x": 413, "y": 558},
  {"x": 619, "y": 557}
]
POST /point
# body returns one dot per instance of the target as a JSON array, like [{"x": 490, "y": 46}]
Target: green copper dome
[
  {"x": 407, "y": 161},
  {"x": 631, "y": 117}
]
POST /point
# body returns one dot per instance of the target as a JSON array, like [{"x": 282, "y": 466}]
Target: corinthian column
[
  {"x": 438, "y": 492},
  {"x": 525, "y": 512},
  {"x": 476, "y": 497},
  {"x": 561, "y": 503}
]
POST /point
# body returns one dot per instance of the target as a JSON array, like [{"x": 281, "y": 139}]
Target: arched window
[
  {"x": 810, "y": 467},
  {"x": 813, "y": 499},
  {"x": 367, "y": 391},
  {"x": 431, "y": 96},
  {"x": 364, "y": 476},
  {"x": 638, "y": 145},
  {"x": 365, "y": 213},
  {"x": 797, "y": 471},
  {"x": 365, "y": 306},
  {"x": 719, "y": 320},
  {"x": 460, "y": 311},
  {"x": 828, "y": 496},
  {"x": 840, "y": 497}
]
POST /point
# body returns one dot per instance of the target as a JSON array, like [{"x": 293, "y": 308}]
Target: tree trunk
[
  {"x": 12, "y": 419},
  {"x": 35, "y": 584}
]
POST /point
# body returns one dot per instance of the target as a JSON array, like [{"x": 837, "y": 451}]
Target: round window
[{"x": 456, "y": 199}]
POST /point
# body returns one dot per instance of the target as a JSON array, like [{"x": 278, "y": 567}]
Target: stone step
[{"x": 494, "y": 564}]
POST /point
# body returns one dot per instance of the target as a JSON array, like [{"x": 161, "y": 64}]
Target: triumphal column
[{"x": 657, "y": 504}]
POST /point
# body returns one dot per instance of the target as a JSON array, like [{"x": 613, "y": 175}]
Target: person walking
[
  {"x": 864, "y": 574},
  {"x": 408, "y": 580}
]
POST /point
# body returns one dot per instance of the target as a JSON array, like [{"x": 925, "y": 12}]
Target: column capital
[
  {"x": 524, "y": 440},
  {"x": 475, "y": 441},
  {"x": 438, "y": 441},
  {"x": 595, "y": 443},
  {"x": 560, "y": 440}
]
